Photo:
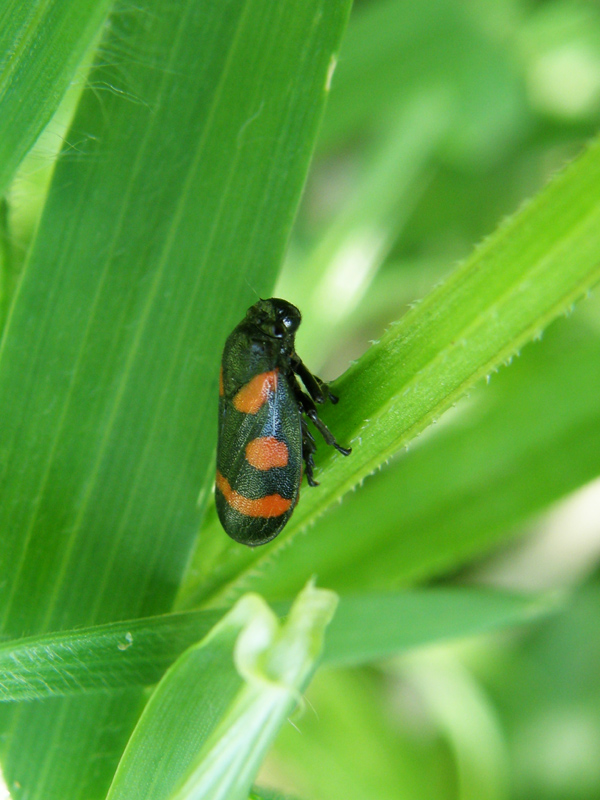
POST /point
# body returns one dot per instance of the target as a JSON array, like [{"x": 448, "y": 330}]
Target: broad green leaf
[
  {"x": 210, "y": 721},
  {"x": 7, "y": 279},
  {"x": 27, "y": 193},
  {"x": 137, "y": 652},
  {"x": 527, "y": 273},
  {"x": 41, "y": 45},
  {"x": 178, "y": 200},
  {"x": 520, "y": 444}
]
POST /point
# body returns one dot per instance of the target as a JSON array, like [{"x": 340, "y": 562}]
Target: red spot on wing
[
  {"x": 251, "y": 397},
  {"x": 272, "y": 505},
  {"x": 221, "y": 389},
  {"x": 267, "y": 452}
]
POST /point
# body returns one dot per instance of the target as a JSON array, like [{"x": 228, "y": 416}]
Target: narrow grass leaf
[
  {"x": 137, "y": 652},
  {"x": 370, "y": 626},
  {"x": 523, "y": 442},
  {"x": 531, "y": 270}
]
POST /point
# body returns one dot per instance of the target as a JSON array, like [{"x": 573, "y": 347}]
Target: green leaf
[
  {"x": 266, "y": 794},
  {"x": 530, "y": 271},
  {"x": 137, "y": 652},
  {"x": 176, "y": 204},
  {"x": 369, "y": 627},
  {"x": 207, "y": 726},
  {"x": 41, "y": 45},
  {"x": 516, "y": 447},
  {"x": 7, "y": 279}
]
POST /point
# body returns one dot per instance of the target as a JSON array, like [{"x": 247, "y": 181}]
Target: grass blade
[
  {"x": 369, "y": 627},
  {"x": 179, "y": 200},
  {"x": 526, "y": 441},
  {"x": 137, "y": 652},
  {"x": 41, "y": 45},
  {"x": 530, "y": 271}
]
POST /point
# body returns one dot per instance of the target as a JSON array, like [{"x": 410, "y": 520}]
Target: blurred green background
[{"x": 155, "y": 206}]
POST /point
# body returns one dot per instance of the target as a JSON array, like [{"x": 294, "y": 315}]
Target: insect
[{"x": 263, "y": 431}]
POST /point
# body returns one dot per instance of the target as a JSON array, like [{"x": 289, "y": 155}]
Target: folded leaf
[{"x": 210, "y": 721}]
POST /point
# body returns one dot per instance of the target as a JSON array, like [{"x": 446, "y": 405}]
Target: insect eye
[{"x": 290, "y": 323}]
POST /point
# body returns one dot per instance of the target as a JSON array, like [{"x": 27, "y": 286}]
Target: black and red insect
[{"x": 263, "y": 431}]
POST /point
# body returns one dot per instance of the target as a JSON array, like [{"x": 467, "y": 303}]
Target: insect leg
[
  {"x": 317, "y": 388},
  {"x": 308, "y": 448},
  {"x": 308, "y": 407}
]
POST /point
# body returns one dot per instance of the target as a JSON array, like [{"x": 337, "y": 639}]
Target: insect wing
[{"x": 259, "y": 459}]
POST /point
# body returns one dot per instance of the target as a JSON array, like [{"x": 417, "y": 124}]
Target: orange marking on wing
[
  {"x": 251, "y": 397},
  {"x": 221, "y": 389},
  {"x": 267, "y": 452},
  {"x": 273, "y": 505}
]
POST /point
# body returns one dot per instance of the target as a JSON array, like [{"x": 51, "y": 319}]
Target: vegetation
[{"x": 154, "y": 170}]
